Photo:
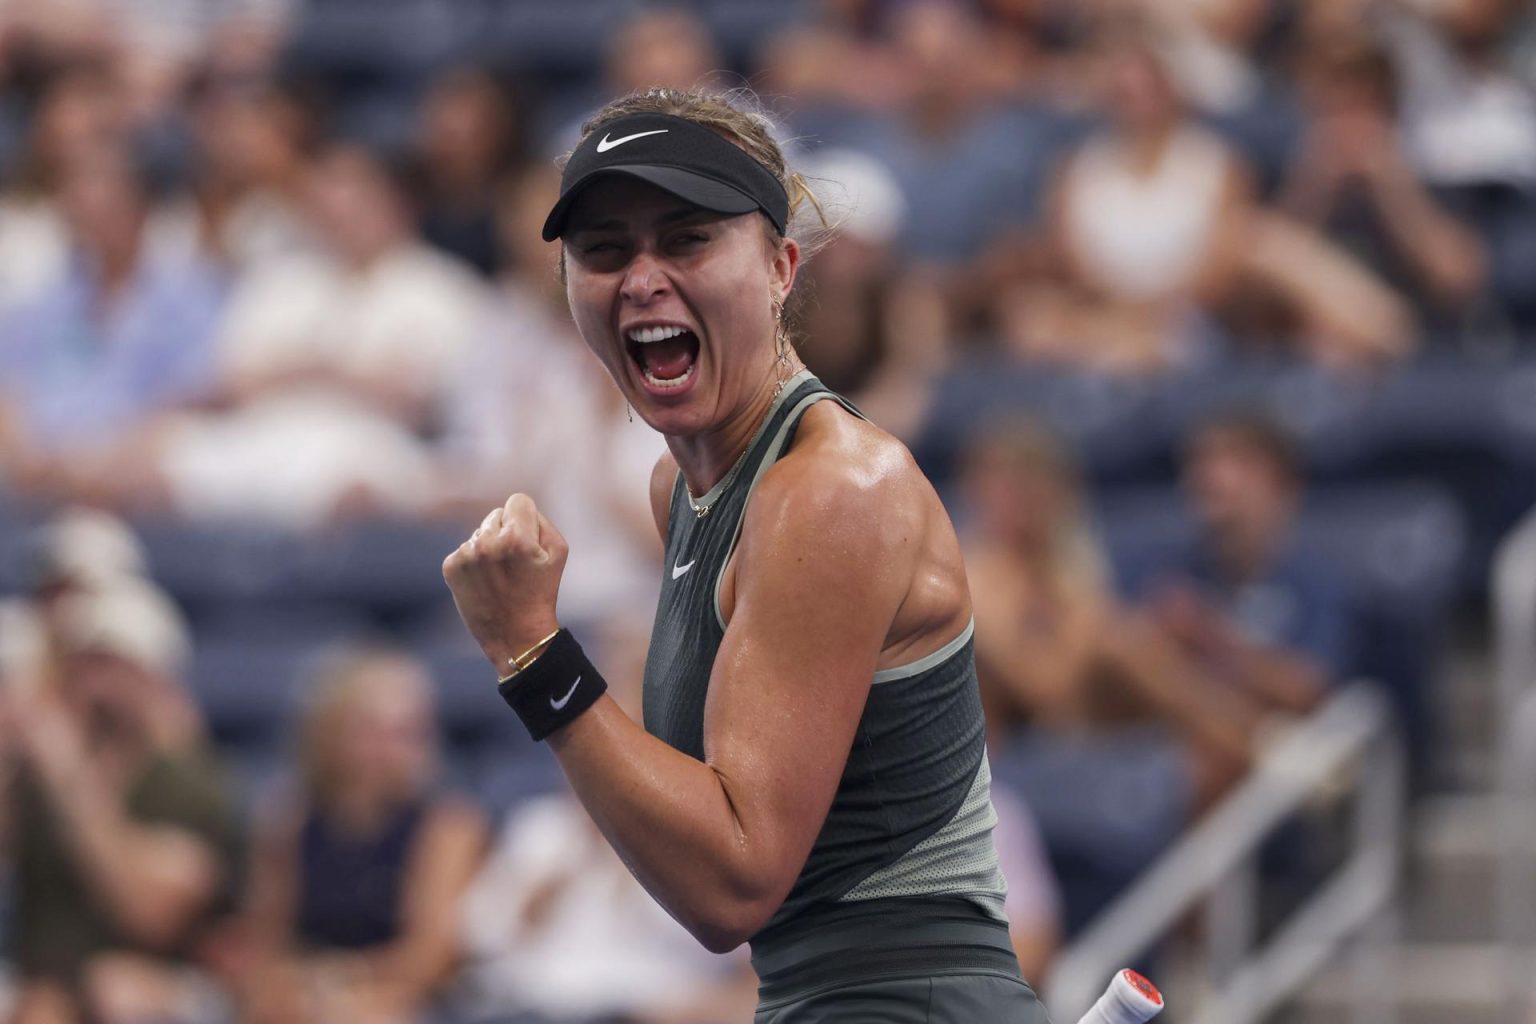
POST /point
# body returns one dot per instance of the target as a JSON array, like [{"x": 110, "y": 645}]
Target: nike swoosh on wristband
[
  {"x": 678, "y": 570},
  {"x": 559, "y": 705},
  {"x": 604, "y": 144}
]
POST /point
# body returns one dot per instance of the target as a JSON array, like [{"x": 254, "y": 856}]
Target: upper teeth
[{"x": 646, "y": 335}]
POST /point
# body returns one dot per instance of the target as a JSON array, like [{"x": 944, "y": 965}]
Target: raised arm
[
  {"x": 719, "y": 843},
  {"x": 152, "y": 879}
]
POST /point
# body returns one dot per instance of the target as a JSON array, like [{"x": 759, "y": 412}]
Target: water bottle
[{"x": 1130, "y": 999}]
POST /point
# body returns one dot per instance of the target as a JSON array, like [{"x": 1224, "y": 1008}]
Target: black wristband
[{"x": 559, "y": 685}]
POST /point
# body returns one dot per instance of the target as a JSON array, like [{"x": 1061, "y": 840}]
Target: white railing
[
  {"x": 1351, "y": 739},
  {"x": 1514, "y": 645},
  {"x": 1514, "y": 615}
]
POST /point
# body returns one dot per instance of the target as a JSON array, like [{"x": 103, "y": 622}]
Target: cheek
[{"x": 589, "y": 311}]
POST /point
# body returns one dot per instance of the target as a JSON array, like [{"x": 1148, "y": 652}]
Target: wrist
[
  {"x": 504, "y": 650},
  {"x": 517, "y": 663},
  {"x": 554, "y": 689}
]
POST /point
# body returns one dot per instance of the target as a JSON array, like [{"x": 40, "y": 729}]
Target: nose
[{"x": 644, "y": 279}]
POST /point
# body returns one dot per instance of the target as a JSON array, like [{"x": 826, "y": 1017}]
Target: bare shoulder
[
  {"x": 663, "y": 480},
  {"x": 843, "y": 468},
  {"x": 849, "y": 497},
  {"x": 854, "y": 493}
]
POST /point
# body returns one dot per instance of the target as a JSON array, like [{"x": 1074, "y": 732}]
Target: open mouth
[{"x": 665, "y": 355}]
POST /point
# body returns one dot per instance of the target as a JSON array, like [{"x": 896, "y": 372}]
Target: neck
[
  {"x": 1147, "y": 144},
  {"x": 114, "y": 268},
  {"x": 1245, "y": 549},
  {"x": 359, "y": 810},
  {"x": 705, "y": 458}
]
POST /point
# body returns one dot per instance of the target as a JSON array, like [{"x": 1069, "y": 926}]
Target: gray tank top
[{"x": 912, "y": 816}]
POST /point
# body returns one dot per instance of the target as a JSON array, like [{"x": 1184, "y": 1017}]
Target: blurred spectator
[
  {"x": 1152, "y": 229},
  {"x": 1467, "y": 119},
  {"x": 1247, "y": 603},
  {"x": 919, "y": 101},
  {"x": 669, "y": 47},
  {"x": 334, "y": 367},
  {"x": 1145, "y": 223},
  {"x": 83, "y": 549},
  {"x": 360, "y": 871},
  {"x": 125, "y": 838},
  {"x": 122, "y": 334},
  {"x": 1209, "y": 42},
  {"x": 965, "y": 163},
  {"x": 1224, "y": 55},
  {"x": 561, "y": 932},
  {"x": 867, "y": 325},
  {"x": 156, "y": 44},
  {"x": 1055, "y": 653},
  {"x": 1112, "y": 757},
  {"x": 1353, "y": 181},
  {"x": 468, "y": 134},
  {"x": 250, "y": 159},
  {"x": 78, "y": 113},
  {"x": 666, "y": 46},
  {"x": 558, "y": 929},
  {"x": 562, "y": 433},
  {"x": 1469, "y": 127}
]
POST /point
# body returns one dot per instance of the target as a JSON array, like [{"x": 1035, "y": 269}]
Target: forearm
[
  {"x": 1279, "y": 679},
  {"x": 1046, "y": 686},
  {"x": 1154, "y": 667},
  {"x": 1331, "y": 291},
  {"x": 673, "y": 822},
  {"x": 1445, "y": 255},
  {"x": 141, "y": 875}
]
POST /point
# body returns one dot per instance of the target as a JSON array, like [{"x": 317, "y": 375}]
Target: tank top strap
[{"x": 775, "y": 439}]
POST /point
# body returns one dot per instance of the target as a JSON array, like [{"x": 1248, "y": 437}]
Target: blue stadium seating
[{"x": 1400, "y": 548}]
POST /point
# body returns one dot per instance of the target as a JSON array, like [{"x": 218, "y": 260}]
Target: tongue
[{"x": 670, "y": 359}]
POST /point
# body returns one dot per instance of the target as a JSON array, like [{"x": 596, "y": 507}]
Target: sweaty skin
[{"x": 846, "y": 564}]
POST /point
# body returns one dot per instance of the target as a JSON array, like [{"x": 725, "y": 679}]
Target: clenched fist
[{"x": 505, "y": 579}]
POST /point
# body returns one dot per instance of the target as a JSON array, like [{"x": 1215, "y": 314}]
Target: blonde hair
[
  {"x": 343, "y": 680},
  {"x": 739, "y": 118},
  {"x": 1024, "y": 447}
]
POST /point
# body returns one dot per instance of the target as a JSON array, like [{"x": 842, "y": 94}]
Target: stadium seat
[
  {"x": 250, "y": 692},
  {"x": 1107, "y": 805},
  {"x": 1111, "y": 425},
  {"x": 559, "y": 39}
]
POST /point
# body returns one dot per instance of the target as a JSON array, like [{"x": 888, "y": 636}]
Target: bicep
[{"x": 816, "y": 592}]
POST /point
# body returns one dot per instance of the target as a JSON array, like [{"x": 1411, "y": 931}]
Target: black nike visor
[{"x": 687, "y": 160}]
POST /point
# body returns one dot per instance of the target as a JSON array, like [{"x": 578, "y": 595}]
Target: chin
[{"x": 676, "y": 420}]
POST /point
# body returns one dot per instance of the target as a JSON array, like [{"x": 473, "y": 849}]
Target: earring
[
  {"x": 781, "y": 335},
  {"x": 629, "y": 412}
]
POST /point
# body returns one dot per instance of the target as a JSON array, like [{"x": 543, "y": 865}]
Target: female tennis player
[{"x": 811, "y": 774}]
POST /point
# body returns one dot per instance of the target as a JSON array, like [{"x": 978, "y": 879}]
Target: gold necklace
[{"x": 700, "y": 511}]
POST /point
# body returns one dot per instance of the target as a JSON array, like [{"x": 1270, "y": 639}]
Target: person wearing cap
[
  {"x": 811, "y": 775},
  {"x": 123, "y": 838}
]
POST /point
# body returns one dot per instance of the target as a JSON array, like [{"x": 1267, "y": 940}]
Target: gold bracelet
[{"x": 527, "y": 658}]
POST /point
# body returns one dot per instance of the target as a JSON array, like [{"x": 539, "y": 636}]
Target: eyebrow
[{"x": 677, "y": 215}]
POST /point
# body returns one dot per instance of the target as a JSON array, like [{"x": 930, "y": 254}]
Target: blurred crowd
[{"x": 1214, "y": 321}]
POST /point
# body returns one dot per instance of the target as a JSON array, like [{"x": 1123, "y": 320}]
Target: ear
[{"x": 786, "y": 264}]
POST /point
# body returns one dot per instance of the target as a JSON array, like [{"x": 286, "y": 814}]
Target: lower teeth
[{"x": 672, "y": 383}]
